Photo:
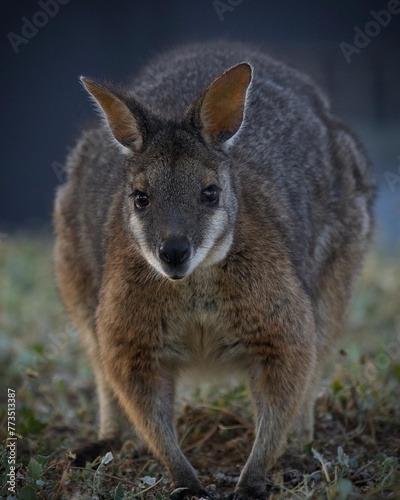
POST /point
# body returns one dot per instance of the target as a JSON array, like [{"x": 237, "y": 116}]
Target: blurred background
[
  {"x": 353, "y": 53},
  {"x": 352, "y": 49}
]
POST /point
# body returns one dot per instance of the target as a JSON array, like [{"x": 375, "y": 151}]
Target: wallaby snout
[{"x": 175, "y": 252}]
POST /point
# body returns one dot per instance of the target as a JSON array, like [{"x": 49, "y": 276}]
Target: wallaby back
[{"x": 217, "y": 218}]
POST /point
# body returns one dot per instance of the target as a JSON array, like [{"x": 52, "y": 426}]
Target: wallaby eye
[
  {"x": 210, "y": 195},
  {"x": 141, "y": 200}
]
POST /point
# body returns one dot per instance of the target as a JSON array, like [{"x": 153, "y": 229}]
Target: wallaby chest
[{"x": 198, "y": 330}]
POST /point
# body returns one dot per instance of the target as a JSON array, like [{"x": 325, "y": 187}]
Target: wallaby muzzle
[{"x": 175, "y": 252}]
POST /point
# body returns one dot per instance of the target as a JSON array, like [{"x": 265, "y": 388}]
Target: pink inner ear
[{"x": 223, "y": 104}]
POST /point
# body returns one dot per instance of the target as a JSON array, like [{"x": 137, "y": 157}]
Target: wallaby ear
[
  {"x": 220, "y": 110},
  {"x": 125, "y": 124}
]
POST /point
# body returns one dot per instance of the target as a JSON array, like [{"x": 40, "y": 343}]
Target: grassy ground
[{"x": 357, "y": 444}]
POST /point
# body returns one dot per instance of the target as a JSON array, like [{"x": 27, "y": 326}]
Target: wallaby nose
[{"x": 175, "y": 250}]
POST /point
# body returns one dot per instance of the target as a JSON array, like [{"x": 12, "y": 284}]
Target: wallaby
[{"x": 216, "y": 219}]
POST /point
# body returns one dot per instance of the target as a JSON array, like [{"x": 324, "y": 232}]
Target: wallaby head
[{"x": 180, "y": 202}]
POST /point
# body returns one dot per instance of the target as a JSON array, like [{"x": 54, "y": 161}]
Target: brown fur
[{"x": 265, "y": 300}]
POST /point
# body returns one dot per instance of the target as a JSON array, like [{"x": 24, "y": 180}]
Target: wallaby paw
[{"x": 90, "y": 451}]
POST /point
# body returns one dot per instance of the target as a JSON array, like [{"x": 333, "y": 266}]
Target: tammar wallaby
[{"x": 215, "y": 221}]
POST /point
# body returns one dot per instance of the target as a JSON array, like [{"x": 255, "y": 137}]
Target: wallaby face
[
  {"x": 181, "y": 203},
  {"x": 217, "y": 222},
  {"x": 180, "y": 206}
]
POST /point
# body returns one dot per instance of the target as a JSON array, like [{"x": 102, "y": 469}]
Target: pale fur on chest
[{"x": 198, "y": 335}]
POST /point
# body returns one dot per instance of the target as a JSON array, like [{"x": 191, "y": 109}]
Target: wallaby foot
[
  {"x": 303, "y": 429},
  {"x": 90, "y": 451}
]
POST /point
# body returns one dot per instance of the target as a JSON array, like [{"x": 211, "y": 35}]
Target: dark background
[{"x": 44, "y": 106}]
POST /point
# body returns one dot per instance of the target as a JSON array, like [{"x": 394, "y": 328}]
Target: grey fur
[{"x": 285, "y": 243}]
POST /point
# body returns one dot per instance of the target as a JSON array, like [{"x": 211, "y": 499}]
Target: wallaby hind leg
[
  {"x": 110, "y": 414},
  {"x": 303, "y": 428},
  {"x": 111, "y": 417},
  {"x": 334, "y": 290},
  {"x": 76, "y": 289},
  {"x": 112, "y": 424}
]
